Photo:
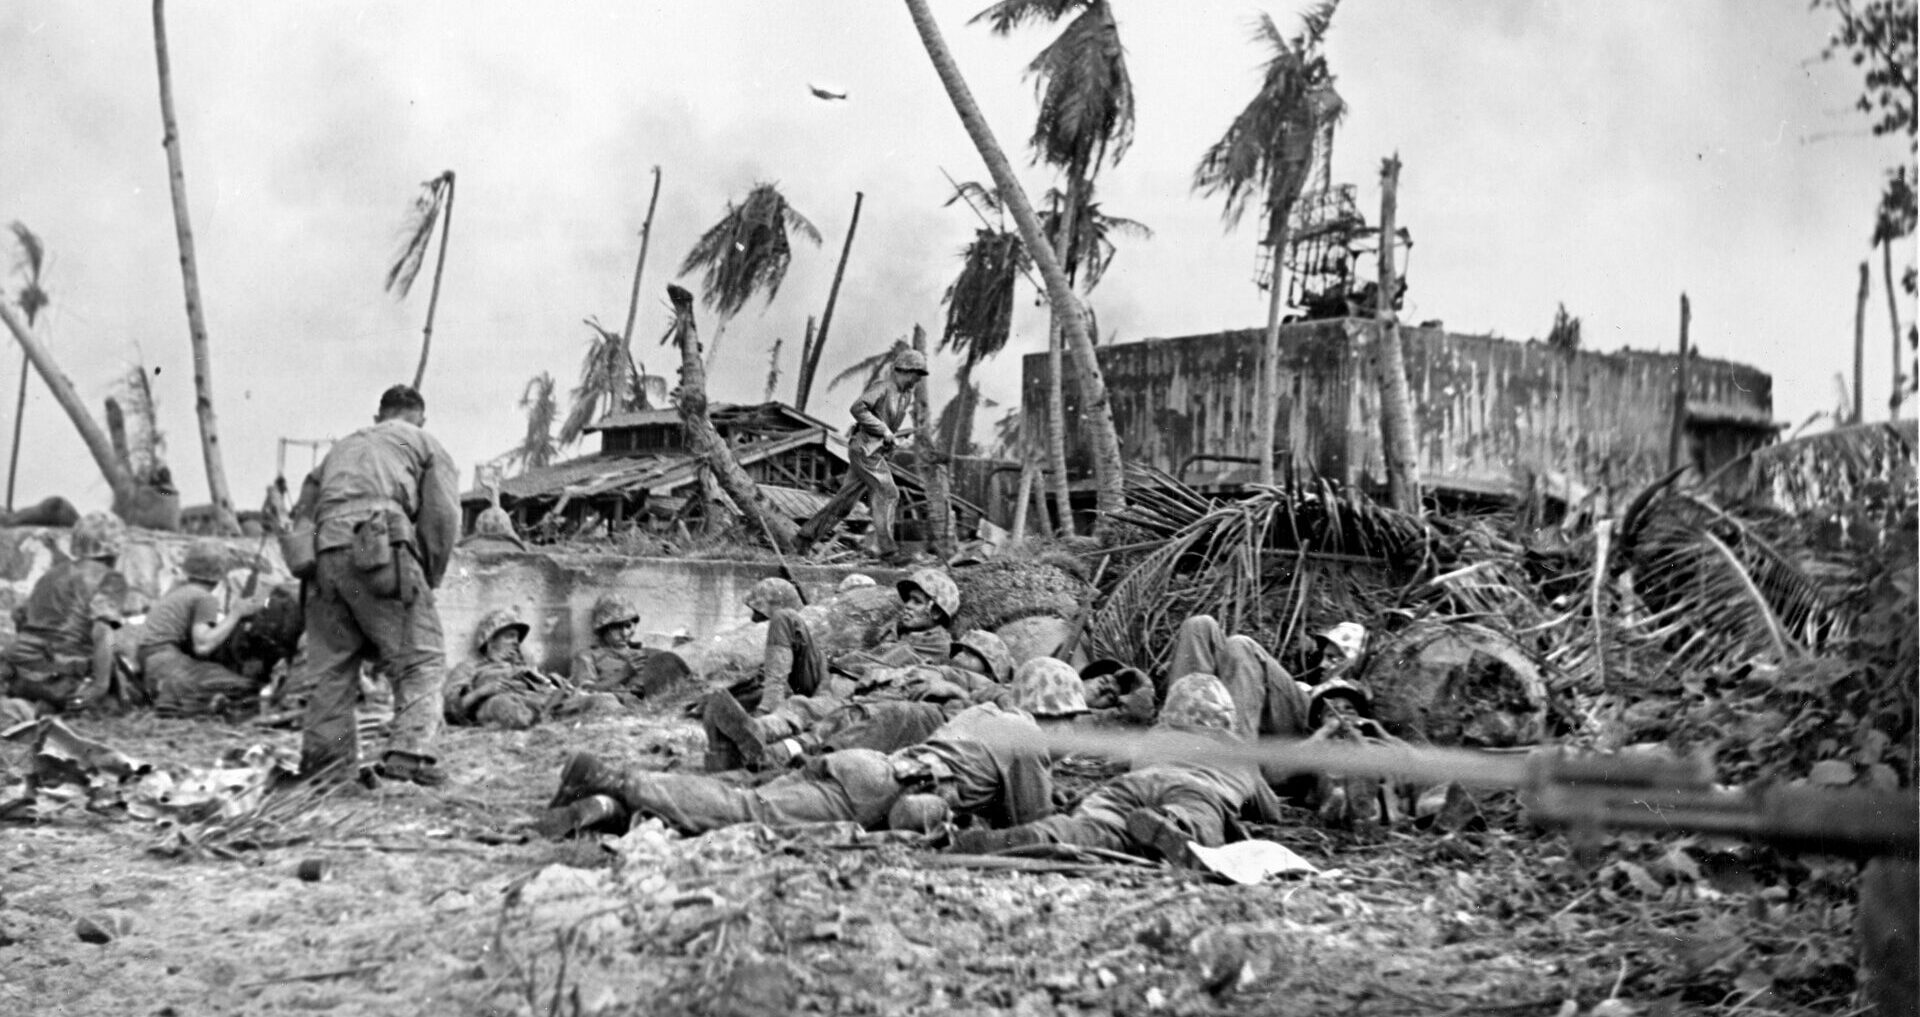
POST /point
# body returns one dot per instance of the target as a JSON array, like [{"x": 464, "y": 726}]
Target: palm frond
[
  {"x": 980, "y": 302},
  {"x": 33, "y": 299},
  {"x": 1007, "y": 15},
  {"x": 1265, "y": 153},
  {"x": 417, "y": 233},
  {"x": 537, "y": 448},
  {"x": 1086, "y": 95},
  {"x": 609, "y": 382},
  {"x": 773, "y": 369},
  {"x": 871, "y": 369},
  {"x": 747, "y": 253},
  {"x": 977, "y": 195}
]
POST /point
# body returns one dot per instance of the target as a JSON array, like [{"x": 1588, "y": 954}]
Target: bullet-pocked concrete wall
[{"x": 554, "y": 592}]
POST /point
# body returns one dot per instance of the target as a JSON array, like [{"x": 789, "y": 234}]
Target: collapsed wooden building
[{"x": 645, "y": 477}]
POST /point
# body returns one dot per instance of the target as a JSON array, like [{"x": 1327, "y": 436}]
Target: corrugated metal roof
[
  {"x": 601, "y": 472},
  {"x": 721, "y": 413}
]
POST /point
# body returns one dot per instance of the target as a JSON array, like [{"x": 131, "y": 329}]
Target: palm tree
[
  {"x": 1267, "y": 154},
  {"x": 1086, "y": 115},
  {"x": 434, "y": 201},
  {"x": 537, "y": 448},
  {"x": 190, "y": 278},
  {"x": 1066, "y": 307},
  {"x": 871, "y": 369},
  {"x": 609, "y": 383},
  {"x": 979, "y": 319},
  {"x": 747, "y": 253},
  {"x": 1091, "y": 248},
  {"x": 31, "y": 300}
]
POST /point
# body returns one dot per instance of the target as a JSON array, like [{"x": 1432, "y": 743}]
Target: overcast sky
[{"x": 1604, "y": 154}]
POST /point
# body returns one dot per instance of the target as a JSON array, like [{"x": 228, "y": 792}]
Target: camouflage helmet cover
[
  {"x": 1349, "y": 639},
  {"x": 910, "y": 360},
  {"x": 613, "y": 609},
  {"x": 920, "y": 813},
  {"x": 773, "y": 594},
  {"x": 991, "y": 649},
  {"x": 855, "y": 581},
  {"x": 493, "y": 521},
  {"x": 1046, "y": 687},
  {"x": 206, "y": 561},
  {"x": 99, "y": 535},
  {"x": 499, "y": 620},
  {"x": 938, "y": 588},
  {"x": 1198, "y": 701}
]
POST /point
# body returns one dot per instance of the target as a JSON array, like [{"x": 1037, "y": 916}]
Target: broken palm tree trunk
[
  {"x": 810, "y": 353},
  {"x": 706, "y": 440},
  {"x": 217, "y": 490},
  {"x": 1396, "y": 399},
  {"x": 1676, "y": 435},
  {"x": 137, "y": 504},
  {"x": 939, "y": 491}
]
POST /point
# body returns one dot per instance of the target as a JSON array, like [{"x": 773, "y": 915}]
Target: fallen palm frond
[
  {"x": 256, "y": 816},
  {"x": 1259, "y": 564}
]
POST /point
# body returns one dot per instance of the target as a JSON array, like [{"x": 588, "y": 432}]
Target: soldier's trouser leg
[
  {"x": 1099, "y": 821},
  {"x": 882, "y": 495},
  {"x": 696, "y": 804},
  {"x": 1888, "y": 931},
  {"x": 346, "y": 620},
  {"x": 1201, "y": 814},
  {"x": 796, "y": 716},
  {"x": 1266, "y": 700},
  {"x": 185, "y": 685}
]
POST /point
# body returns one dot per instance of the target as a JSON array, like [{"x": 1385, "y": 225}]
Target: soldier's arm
[
  {"x": 438, "y": 525},
  {"x": 307, "y": 506},
  {"x": 865, "y": 416}
]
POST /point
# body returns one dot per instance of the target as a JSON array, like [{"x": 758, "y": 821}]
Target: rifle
[
  {"x": 1586, "y": 792},
  {"x": 1082, "y": 616}
]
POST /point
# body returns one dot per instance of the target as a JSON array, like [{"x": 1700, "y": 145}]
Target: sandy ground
[{"x": 433, "y": 903}]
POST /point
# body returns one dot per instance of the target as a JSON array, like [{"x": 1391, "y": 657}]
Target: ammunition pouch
[
  {"x": 297, "y": 548},
  {"x": 378, "y": 543}
]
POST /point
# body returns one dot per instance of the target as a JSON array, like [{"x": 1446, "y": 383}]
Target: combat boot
[
  {"x": 1163, "y": 835},
  {"x": 583, "y": 775},
  {"x": 408, "y": 766},
  {"x": 986, "y": 842},
  {"x": 594, "y": 812},
  {"x": 725, "y": 717}
]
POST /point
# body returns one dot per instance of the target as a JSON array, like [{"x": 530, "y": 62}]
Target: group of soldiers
[
  {"x": 920, "y": 730},
  {"x": 933, "y": 733}
]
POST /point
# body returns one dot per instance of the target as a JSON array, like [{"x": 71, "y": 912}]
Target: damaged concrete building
[{"x": 1495, "y": 418}]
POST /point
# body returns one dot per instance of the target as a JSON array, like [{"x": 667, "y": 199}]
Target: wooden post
[
  {"x": 1677, "y": 436},
  {"x": 1396, "y": 396},
  {"x": 1020, "y": 503},
  {"x": 812, "y": 362},
  {"x": 633, "y": 301},
  {"x": 1860, "y": 348},
  {"x": 1893, "y": 315}
]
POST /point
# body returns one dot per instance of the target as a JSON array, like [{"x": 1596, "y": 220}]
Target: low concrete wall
[{"x": 554, "y": 592}]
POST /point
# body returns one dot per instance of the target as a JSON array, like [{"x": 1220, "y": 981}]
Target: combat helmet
[
  {"x": 1320, "y": 697},
  {"x": 206, "y": 561},
  {"x": 613, "y": 609},
  {"x": 772, "y": 594},
  {"x": 1347, "y": 639},
  {"x": 1198, "y": 701},
  {"x": 855, "y": 581},
  {"x": 935, "y": 584},
  {"x": 991, "y": 649},
  {"x": 99, "y": 535},
  {"x": 919, "y": 813},
  {"x": 1046, "y": 687},
  {"x": 497, "y": 621},
  {"x": 910, "y": 360}
]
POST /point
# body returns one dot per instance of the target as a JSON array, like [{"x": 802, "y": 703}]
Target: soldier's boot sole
[
  {"x": 1156, "y": 830},
  {"x": 725, "y": 715},
  {"x": 578, "y": 779}
]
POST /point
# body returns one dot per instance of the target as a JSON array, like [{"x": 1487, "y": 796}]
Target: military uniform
[
  {"x": 1266, "y": 698},
  {"x": 611, "y": 668},
  {"x": 183, "y": 684},
  {"x": 390, "y": 484},
  {"x": 877, "y": 416},
  {"x": 985, "y": 762},
  {"x": 56, "y": 659},
  {"x": 499, "y": 689},
  {"x": 1159, "y": 808}
]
